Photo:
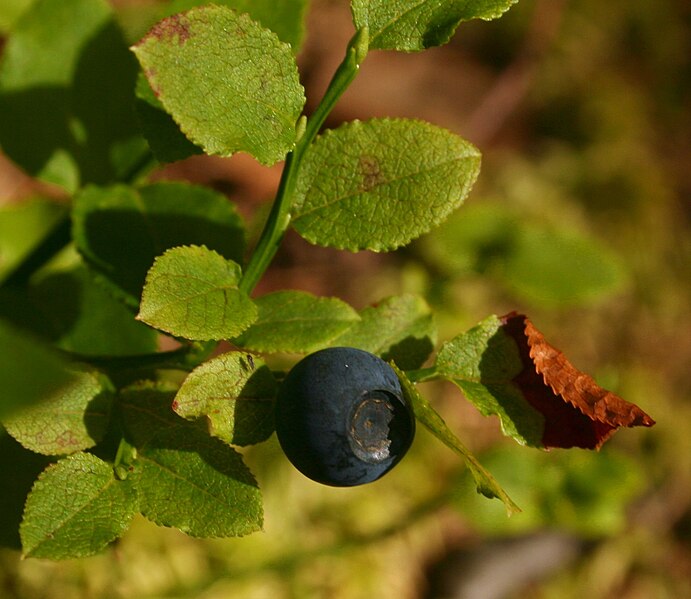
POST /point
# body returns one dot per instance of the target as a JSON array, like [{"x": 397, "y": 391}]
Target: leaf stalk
[{"x": 284, "y": 202}]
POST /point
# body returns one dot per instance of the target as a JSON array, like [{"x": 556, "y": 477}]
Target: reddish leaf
[{"x": 577, "y": 412}]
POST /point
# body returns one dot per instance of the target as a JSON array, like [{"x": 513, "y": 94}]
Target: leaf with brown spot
[
  {"x": 577, "y": 411},
  {"x": 379, "y": 184}
]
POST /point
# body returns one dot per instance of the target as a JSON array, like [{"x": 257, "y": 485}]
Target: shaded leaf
[
  {"x": 379, "y": 184},
  {"x": 75, "y": 509},
  {"x": 295, "y": 321},
  {"x": 413, "y": 25},
  {"x": 147, "y": 409},
  {"x": 577, "y": 412},
  {"x": 162, "y": 133},
  {"x": 192, "y": 292},
  {"x": 29, "y": 370},
  {"x": 475, "y": 239},
  {"x": 235, "y": 392},
  {"x": 66, "y": 89},
  {"x": 427, "y": 415},
  {"x": 19, "y": 469},
  {"x": 69, "y": 420},
  {"x": 147, "y": 221},
  {"x": 247, "y": 95},
  {"x": 399, "y": 328},
  {"x": 77, "y": 314}
]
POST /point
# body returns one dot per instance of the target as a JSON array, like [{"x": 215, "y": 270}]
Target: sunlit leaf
[
  {"x": 75, "y": 509},
  {"x": 10, "y": 11},
  {"x": 295, "y": 321},
  {"x": 22, "y": 226},
  {"x": 413, "y": 25},
  {"x": 235, "y": 392},
  {"x": 283, "y": 17},
  {"x": 246, "y": 96},
  {"x": 379, "y": 184},
  {"x": 483, "y": 363},
  {"x": 192, "y": 292},
  {"x": 504, "y": 366}
]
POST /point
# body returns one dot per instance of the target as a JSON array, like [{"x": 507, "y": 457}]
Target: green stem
[{"x": 280, "y": 215}]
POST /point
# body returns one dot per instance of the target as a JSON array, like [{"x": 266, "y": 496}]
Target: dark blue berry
[{"x": 341, "y": 417}]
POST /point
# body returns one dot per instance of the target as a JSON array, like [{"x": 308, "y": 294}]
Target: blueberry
[{"x": 341, "y": 417}]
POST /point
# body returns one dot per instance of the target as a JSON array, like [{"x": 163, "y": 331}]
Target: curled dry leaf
[{"x": 577, "y": 411}]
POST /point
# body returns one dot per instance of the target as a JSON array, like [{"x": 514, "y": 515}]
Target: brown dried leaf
[{"x": 577, "y": 411}]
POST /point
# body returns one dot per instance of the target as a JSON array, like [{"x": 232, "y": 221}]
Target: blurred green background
[{"x": 580, "y": 219}]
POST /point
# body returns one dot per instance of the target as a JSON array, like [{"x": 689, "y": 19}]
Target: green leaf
[
  {"x": 22, "y": 226},
  {"x": 29, "y": 371},
  {"x": 167, "y": 142},
  {"x": 148, "y": 221},
  {"x": 483, "y": 362},
  {"x": 560, "y": 267},
  {"x": 246, "y": 94},
  {"x": 414, "y": 25},
  {"x": 399, "y": 328},
  {"x": 426, "y": 415},
  {"x": 235, "y": 392},
  {"x": 192, "y": 292},
  {"x": 197, "y": 484},
  {"x": 75, "y": 509},
  {"x": 77, "y": 314},
  {"x": 185, "y": 478},
  {"x": 379, "y": 184},
  {"x": 283, "y": 17},
  {"x": 295, "y": 321},
  {"x": 69, "y": 420},
  {"x": 66, "y": 90}
]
